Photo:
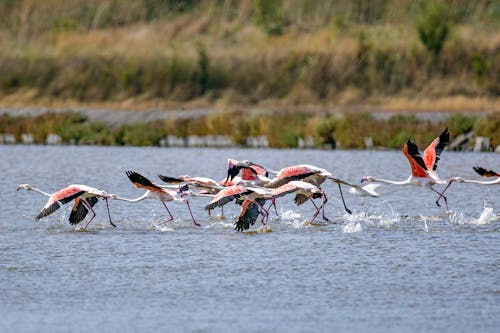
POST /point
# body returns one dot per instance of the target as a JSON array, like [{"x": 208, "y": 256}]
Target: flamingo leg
[
  {"x": 343, "y": 201},
  {"x": 169, "y": 213},
  {"x": 109, "y": 214},
  {"x": 191, "y": 213},
  {"x": 273, "y": 204},
  {"x": 317, "y": 210},
  {"x": 263, "y": 211},
  {"x": 85, "y": 202},
  {"x": 441, "y": 195},
  {"x": 325, "y": 200}
]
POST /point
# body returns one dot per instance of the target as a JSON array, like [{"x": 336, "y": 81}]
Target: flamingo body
[{"x": 85, "y": 197}]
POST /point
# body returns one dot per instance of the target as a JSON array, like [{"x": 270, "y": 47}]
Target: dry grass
[{"x": 327, "y": 55}]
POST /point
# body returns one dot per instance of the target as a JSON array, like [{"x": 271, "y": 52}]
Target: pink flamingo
[
  {"x": 423, "y": 169},
  {"x": 481, "y": 171},
  {"x": 85, "y": 197},
  {"x": 231, "y": 193},
  {"x": 155, "y": 192}
]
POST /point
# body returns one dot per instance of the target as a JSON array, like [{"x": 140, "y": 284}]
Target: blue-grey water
[{"x": 399, "y": 263}]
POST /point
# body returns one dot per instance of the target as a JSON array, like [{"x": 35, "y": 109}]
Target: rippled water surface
[{"x": 399, "y": 263}]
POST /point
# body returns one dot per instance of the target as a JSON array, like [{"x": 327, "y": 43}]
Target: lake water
[{"x": 399, "y": 263}]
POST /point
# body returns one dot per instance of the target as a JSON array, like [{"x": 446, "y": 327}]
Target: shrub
[
  {"x": 433, "y": 25},
  {"x": 268, "y": 16}
]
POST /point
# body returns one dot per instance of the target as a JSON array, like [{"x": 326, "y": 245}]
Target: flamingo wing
[
  {"x": 486, "y": 173},
  {"x": 283, "y": 190},
  {"x": 300, "y": 198},
  {"x": 417, "y": 164},
  {"x": 227, "y": 195},
  {"x": 433, "y": 151},
  {"x": 62, "y": 196},
  {"x": 248, "y": 215},
  {"x": 79, "y": 210},
  {"x": 170, "y": 180},
  {"x": 259, "y": 169},
  {"x": 142, "y": 182},
  {"x": 289, "y": 174}
]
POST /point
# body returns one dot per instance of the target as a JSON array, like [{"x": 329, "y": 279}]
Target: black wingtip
[
  {"x": 484, "y": 172},
  {"x": 140, "y": 179},
  {"x": 170, "y": 180}
]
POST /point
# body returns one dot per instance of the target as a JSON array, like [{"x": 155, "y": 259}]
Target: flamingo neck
[
  {"x": 142, "y": 197},
  {"x": 483, "y": 182},
  {"x": 393, "y": 182},
  {"x": 39, "y": 191}
]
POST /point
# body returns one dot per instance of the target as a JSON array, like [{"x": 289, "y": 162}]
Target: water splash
[
  {"x": 352, "y": 227},
  {"x": 219, "y": 225},
  {"x": 457, "y": 217},
  {"x": 293, "y": 219},
  {"x": 289, "y": 215},
  {"x": 161, "y": 228},
  {"x": 485, "y": 217},
  {"x": 424, "y": 219}
]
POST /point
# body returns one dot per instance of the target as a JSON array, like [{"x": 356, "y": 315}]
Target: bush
[
  {"x": 489, "y": 126},
  {"x": 433, "y": 25},
  {"x": 268, "y": 16}
]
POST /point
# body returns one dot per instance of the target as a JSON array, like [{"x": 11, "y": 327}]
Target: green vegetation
[
  {"x": 249, "y": 52},
  {"x": 433, "y": 26},
  {"x": 284, "y": 131}
]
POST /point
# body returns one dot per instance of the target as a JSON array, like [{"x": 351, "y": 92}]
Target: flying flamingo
[
  {"x": 156, "y": 192},
  {"x": 481, "y": 171},
  {"x": 310, "y": 174},
  {"x": 251, "y": 172},
  {"x": 249, "y": 213},
  {"x": 304, "y": 191},
  {"x": 202, "y": 185},
  {"x": 231, "y": 193},
  {"x": 85, "y": 197},
  {"x": 423, "y": 169}
]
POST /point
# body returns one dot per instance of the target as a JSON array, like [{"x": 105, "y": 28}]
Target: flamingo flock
[{"x": 252, "y": 186}]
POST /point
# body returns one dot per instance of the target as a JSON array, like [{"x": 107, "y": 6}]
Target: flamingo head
[
  {"x": 367, "y": 179},
  {"x": 24, "y": 186},
  {"x": 456, "y": 179},
  {"x": 232, "y": 171}
]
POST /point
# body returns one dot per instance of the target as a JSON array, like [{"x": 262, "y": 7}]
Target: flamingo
[
  {"x": 85, "y": 197},
  {"x": 156, "y": 192},
  {"x": 310, "y": 174},
  {"x": 251, "y": 194},
  {"x": 304, "y": 191},
  {"x": 249, "y": 213},
  {"x": 203, "y": 185},
  {"x": 481, "y": 171},
  {"x": 251, "y": 172},
  {"x": 200, "y": 183},
  {"x": 423, "y": 169}
]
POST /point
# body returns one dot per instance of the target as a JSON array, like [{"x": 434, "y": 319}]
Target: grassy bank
[
  {"x": 284, "y": 131},
  {"x": 265, "y": 53}
]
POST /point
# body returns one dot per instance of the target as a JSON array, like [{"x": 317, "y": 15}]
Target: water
[{"x": 399, "y": 263}]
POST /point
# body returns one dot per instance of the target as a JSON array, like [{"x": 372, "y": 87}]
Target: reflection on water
[{"x": 397, "y": 263}]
